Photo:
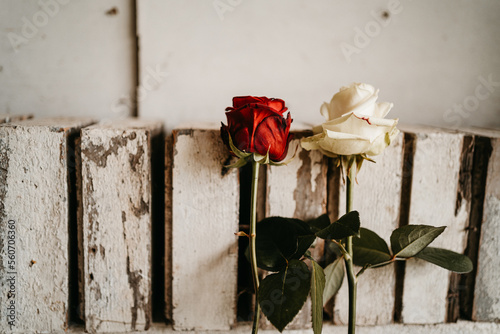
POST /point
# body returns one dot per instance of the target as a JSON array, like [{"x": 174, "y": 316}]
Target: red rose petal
[
  {"x": 256, "y": 124},
  {"x": 270, "y": 136},
  {"x": 240, "y": 101},
  {"x": 277, "y": 105},
  {"x": 241, "y": 139}
]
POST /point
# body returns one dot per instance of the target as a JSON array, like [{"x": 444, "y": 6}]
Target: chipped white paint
[
  {"x": 298, "y": 190},
  {"x": 436, "y": 166},
  {"x": 116, "y": 186},
  {"x": 487, "y": 291},
  {"x": 205, "y": 199},
  {"x": 377, "y": 198},
  {"x": 34, "y": 224}
]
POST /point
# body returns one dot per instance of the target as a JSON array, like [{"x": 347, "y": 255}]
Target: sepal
[{"x": 245, "y": 157}]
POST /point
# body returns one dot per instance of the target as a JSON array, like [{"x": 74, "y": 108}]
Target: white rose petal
[
  {"x": 355, "y": 123},
  {"x": 365, "y": 127},
  {"x": 312, "y": 143},
  {"x": 382, "y": 141},
  {"x": 354, "y": 97},
  {"x": 344, "y": 144},
  {"x": 382, "y": 109}
]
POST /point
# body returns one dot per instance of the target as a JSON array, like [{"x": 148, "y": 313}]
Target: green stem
[
  {"x": 351, "y": 276},
  {"x": 381, "y": 264},
  {"x": 253, "y": 233}
]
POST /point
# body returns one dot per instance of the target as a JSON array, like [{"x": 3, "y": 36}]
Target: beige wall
[
  {"x": 433, "y": 59},
  {"x": 67, "y": 57}
]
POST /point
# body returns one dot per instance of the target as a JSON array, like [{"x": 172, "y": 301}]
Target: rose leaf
[
  {"x": 348, "y": 225},
  {"x": 274, "y": 243},
  {"x": 317, "y": 289},
  {"x": 408, "y": 241},
  {"x": 319, "y": 223},
  {"x": 446, "y": 259},
  {"x": 334, "y": 273},
  {"x": 279, "y": 240},
  {"x": 282, "y": 295},
  {"x": 305, "y": 237},
  {"x": 369, "y": 249}
]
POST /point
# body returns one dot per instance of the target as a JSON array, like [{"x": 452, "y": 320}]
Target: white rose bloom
[{"x": 355, "y": 124}]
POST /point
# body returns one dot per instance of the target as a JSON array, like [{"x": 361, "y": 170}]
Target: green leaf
[
  {"x": 334, "y": 274},
  {"x": 346, "y": 226},
  {"x": 275, "y": 242},
  {"x": 282, "y": 295},
  {"x": 305, "y": 237},
  {"x": 446, "y": 259},
  {"x": 369, "y": 249},
  {"x": 319, "y": 223},
  {"x": 279, "y": 240},
  {"x": 317, "y": 288},
  {"x": 408, "y": 240}
]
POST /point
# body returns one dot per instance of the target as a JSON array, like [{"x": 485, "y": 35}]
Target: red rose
[{"x": 257, "y": 125}]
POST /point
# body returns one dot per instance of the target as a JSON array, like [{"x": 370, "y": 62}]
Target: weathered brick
[
  {"x": 204, "y": 201},
  {"x": 116, "y": 224},
  {"x": 434, "y": 195},
  {"x": 487, "y": 292},
  {"x": 34, "y": 221}
]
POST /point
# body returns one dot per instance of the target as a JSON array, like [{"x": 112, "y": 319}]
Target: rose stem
[
  {"x": 351, "y": 276},
  {"x": 253, "y": 233}
]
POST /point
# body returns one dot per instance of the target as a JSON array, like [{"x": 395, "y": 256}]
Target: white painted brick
[
  {"x": 34, "y": 195},
  {"x": 116, "y": 224},
  {"x": 436, "y": 166},
  {"x": 205, "y": 200},
  {"x": 298, "y": 190},
  {"x": 377, "y": 198},
  {"x": 487, "y": 291}
]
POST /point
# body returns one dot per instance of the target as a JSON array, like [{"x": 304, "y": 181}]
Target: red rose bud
[
  {"x": 257, "y": 125},
  {"x": 277, "y": 105}
]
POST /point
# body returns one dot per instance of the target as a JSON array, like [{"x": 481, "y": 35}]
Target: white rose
[{"x": 355, "y": 124}]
